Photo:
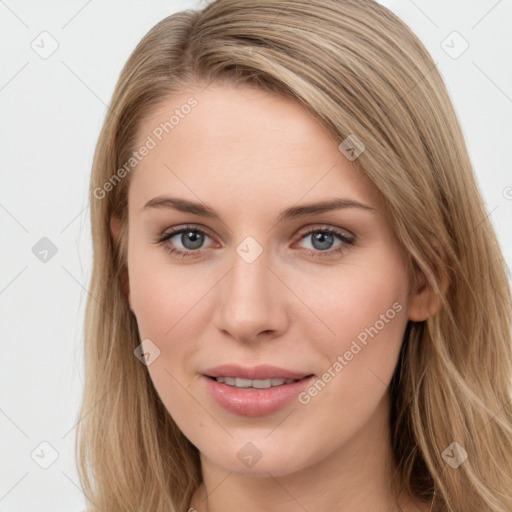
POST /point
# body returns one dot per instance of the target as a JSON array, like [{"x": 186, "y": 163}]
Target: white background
[{"x": 51, "y": 111}]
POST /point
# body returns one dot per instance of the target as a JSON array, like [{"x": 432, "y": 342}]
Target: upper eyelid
[
  {"x": 181, "y": 229},
  {"x": 326, "y": 227}
]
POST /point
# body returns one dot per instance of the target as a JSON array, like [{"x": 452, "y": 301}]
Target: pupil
[
  {"x": 325, "y": 240},
  {"x": 191, "y": 240}
]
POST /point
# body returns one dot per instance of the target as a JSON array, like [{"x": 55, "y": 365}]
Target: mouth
[{"x": 262, "y": 396}]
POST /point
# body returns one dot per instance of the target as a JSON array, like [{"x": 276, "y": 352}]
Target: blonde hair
[{"x": 360, "y": 70}]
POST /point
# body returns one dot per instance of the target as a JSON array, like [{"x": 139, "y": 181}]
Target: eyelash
[{"x": 340, "y": 249}]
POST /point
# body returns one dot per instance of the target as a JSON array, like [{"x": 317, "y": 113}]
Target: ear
[
  {"x": 424, "y": 301},
  {"x": 115, "y": 229}
]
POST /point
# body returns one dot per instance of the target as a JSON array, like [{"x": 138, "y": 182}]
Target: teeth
[
  {"x": 243, "y": 383},
  {"x": 258, "y": 384}
]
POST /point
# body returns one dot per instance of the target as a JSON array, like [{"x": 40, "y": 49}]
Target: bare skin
[{"x": 298, "y": 305}]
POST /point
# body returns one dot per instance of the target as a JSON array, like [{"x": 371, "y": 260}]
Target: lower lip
[{"x": 251, "y": 401}]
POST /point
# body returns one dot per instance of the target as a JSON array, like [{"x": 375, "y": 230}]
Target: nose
[{"x": 252, "y": 301}]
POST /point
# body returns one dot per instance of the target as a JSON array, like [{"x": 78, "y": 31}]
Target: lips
[{"x": 245, "y": 391}]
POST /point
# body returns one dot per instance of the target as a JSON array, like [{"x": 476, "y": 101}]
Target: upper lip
[{"x": 259, "y": 372}]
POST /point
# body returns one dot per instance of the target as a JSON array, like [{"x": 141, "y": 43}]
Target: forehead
[{"x": 240, "y": 143}]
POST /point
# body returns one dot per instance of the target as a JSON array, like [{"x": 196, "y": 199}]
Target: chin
[{"x": 259, "y": 459}]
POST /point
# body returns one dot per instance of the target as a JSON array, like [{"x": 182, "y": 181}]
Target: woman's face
[{"x": 315, "y": 295}]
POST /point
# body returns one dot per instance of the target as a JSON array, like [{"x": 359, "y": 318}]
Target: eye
[
  {"x": 190, "y": 237},
  {"x": 323, "y": 239}
]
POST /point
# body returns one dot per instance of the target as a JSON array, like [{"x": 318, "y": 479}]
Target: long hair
[{"x": 361, "y": 71}]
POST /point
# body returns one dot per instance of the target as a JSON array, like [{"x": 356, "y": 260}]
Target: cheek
[
  {"x": 168, "y": 308},
  {"x": 370, "y": 308},
  {"x": 164, "y": 299},
  {"x": 357, "y": 300},
  {"x": 367, "y": 312}
]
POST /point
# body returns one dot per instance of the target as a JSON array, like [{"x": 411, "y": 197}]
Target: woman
[{"x": 298, "y": 301}]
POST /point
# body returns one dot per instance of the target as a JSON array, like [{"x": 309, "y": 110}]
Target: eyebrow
[{"x": 184, "y": 205}]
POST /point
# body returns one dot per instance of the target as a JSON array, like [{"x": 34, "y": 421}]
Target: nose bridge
[
  {"x": 249, "y": 279},
  {"x": 251, "y": 300}
]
